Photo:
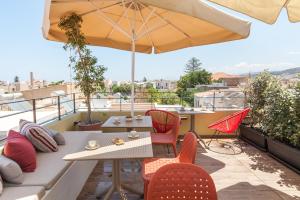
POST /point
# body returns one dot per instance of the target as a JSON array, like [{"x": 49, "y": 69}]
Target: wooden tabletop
[
  {"x": 144, "y": 122},
  {"x": 131, "y": 149}
]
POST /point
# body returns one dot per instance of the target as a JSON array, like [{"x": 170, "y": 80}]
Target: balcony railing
[{"x": 43, "y": 110}]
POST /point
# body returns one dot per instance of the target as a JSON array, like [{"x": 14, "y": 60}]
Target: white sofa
[{"x": 54, "y": 178}]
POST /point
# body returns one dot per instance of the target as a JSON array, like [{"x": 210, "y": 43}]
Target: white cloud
[
  {"x": 244, "y": 67},
  {"x": 294, "y": 52}
]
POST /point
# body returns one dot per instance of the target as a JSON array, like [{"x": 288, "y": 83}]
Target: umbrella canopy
[
  {"x": 264, "y": 10},
  {"x": 145, "y": 26}
]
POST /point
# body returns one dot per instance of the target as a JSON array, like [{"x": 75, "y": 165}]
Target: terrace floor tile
[{"x": 247, "y": 174}]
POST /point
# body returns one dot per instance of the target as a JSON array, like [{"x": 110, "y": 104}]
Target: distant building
[
  {"x": 231, "y": 98},
  {"x": 165, "y": 84},
  {"x": 213, "y": 86},
  {"x": 230, "y": 80}
]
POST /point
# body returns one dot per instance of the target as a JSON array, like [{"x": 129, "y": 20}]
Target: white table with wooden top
[
  {"x": 192, "y": 113},
  {"x": 138, "y": 148},
  {"x": 143, "y": 122}
]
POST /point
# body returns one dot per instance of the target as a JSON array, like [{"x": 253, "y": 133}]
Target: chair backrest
[
  {"x": 230, "y": 123},
  {"x": 188, "y": 149},
  {"x": 164, "y": 121},
  {"x": 181, "y": 181}
]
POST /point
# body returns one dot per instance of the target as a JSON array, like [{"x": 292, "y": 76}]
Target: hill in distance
[{"x": 287, "y": 73}]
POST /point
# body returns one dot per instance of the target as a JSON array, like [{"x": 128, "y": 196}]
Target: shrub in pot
[
  {"x": 89, "y": 76},
  {"x": 257, "y": 94},
  {"x": 282, "y": 124}
]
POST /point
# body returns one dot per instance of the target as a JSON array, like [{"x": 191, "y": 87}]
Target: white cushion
[
  {"x": 22, "y": 193},
  {"x": 50, "y": 166}
]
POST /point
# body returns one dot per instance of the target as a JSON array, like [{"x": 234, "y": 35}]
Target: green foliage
[
  {"x": 193, "y": 65},
  {"x": 280, "y": 120},
  {"x": 89, "y": 76},
  {"x": 153, "y": 94},
  {"x": 257, "y": 93},
  {"x": 16, "y": 79},
  {"x": 187, "y": 83},
  {"x": 275, "y": 109},
  {"x": 124, "y": 89},
  {"x": 56, "y": 83},
  {"x": 149, "y": 85},
  {"x": 168, "y": 98},
  {"x": 295, "y": 138}
]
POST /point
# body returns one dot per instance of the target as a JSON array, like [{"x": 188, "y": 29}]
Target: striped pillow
[{"x": 38, "y": 136}]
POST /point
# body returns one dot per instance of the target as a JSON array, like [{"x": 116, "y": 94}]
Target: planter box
[
  {"x": 253, "y": 137},
  {"x": 286, "y": 153}
]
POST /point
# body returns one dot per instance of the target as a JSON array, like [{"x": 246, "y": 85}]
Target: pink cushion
[{"x": 19, "y": 149}]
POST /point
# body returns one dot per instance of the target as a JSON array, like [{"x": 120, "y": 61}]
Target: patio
[{"x": 251, "y": 174}]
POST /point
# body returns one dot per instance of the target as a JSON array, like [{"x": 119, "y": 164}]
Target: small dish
[
  {"x": 87, "y": 147},
  {"x": 138, "y": 118},
  {"x": 128, "y": 119},
  {"x": 133, "y": 136},
  {"x": 118, "y": 141}
]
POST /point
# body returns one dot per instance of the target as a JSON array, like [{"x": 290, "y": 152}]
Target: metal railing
[{"x": 56, "y": 107}]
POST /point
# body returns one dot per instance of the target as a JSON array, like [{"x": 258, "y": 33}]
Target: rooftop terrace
[{"x": 239, "y": 175}]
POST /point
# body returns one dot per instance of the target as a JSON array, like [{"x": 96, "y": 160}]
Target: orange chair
[
  {"x": 166, "y": 127},
  {"x": 181, "y": 181},
  {"x": 186, "y": 155},
  {"x": 229, "y": 124}
]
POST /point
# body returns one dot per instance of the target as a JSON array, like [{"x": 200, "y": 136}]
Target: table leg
[
  {"x": 192, "y": 127},
  {"x": 132, "y": 162},
  {"x": 116, "y": 184}
]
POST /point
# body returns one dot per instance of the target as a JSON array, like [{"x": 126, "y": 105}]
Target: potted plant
[
  {"x": 282, "y": 125},
  {"x": 257, "y": 94},
  {"x": 88, "y": 74}
]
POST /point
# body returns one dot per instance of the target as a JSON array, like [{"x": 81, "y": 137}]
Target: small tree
[
  {"x": 193, "y": 65},
  {"x": 88, "y": 75},
  {"x": 168, "y": 98},
  {"x": 187, "y": 83},
  {"x": 124, "y": 89},
  {"x": 16, "y": 79},
  {"x": 153, "y": 94}
]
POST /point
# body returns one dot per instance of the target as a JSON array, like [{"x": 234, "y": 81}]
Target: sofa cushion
[
  {"x": 59, "y": 138},
  {"x": 39, "y": 136},
  {"x": 19, "y": 149},
  {"x": 22, "y": 193},
  {"x": 10, "y": 171},
  {"x": 50, "y": 166}
]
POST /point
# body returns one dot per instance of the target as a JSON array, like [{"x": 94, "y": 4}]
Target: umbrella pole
[{"x": 132, "y": 74}]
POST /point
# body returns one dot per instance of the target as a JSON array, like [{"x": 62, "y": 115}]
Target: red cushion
[{"x": 19, "y": 149}]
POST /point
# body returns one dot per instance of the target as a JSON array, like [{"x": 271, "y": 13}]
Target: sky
[{"x": 23, "y": 49}]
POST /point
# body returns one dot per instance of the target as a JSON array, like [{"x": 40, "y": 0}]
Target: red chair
[
  {"x": 166, "y": 127},
  {"x": 229, "y": 124},
  {"x": 186, "y": 155},
  {"x": 181, "y": 181}
]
